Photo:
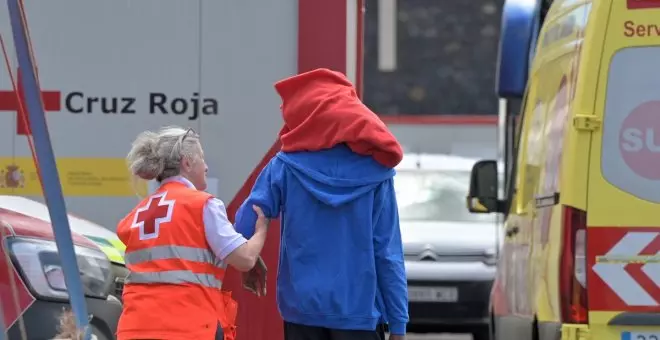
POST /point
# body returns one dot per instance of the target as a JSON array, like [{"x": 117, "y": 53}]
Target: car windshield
[{"x": 435, "y": 196}]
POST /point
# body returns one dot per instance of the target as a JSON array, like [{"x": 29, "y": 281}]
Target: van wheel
[
  {"x": 98, "y": 334},
  {"x": 482, "y": 333}
]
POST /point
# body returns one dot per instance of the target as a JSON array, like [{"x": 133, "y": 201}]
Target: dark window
[{"x": 446, "y": 53}]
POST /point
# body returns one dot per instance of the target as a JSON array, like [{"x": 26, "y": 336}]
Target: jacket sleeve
[
  {"x": 266, "y": 194},
  {"x": 390, "y": 270}
]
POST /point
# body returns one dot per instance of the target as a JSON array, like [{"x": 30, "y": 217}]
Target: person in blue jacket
[{"x": 341, "y": 268}]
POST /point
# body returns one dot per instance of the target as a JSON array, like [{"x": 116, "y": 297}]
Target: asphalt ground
[{"x": 429, "y": 336}]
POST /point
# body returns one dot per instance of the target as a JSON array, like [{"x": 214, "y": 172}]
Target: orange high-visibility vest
[{"x": 173, "y": 290}]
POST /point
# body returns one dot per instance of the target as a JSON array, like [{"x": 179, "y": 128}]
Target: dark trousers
[
  {"x": 219, "y": 334},
  {"x": 294, "y": 331}
]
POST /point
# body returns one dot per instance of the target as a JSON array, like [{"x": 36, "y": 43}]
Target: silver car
[{"x": 450, "y": 254}]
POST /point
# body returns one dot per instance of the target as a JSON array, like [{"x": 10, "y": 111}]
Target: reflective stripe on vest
[
  {"x": 169, "y": 253},
  {"x": 174, "y": 276}
]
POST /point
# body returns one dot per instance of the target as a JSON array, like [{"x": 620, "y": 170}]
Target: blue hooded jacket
[{"x": 341, "y": 261}]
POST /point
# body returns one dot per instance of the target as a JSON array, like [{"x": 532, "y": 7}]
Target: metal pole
[
  {"x": 46, "y": 160},
  {"x": 3, "y": 331}
]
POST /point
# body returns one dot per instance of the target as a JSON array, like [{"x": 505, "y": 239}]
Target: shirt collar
[{"x": 179, "y": 179}]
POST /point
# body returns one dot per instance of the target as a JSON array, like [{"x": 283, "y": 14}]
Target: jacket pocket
[{"x": 230, "y": 313}]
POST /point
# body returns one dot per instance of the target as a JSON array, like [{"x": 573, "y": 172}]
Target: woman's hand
[
  {"x": 262, "y": 221},
  {"x": 245, "y": 257},
  {"x": 255, "y": 279}
]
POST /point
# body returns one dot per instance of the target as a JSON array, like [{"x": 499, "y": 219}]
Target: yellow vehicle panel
[
  {"x": 588, "y": 178},
  {"x": 546, "y": 134},
  {"x": 624, "y": 178}
]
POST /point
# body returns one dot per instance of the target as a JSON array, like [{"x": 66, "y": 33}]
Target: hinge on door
[
  {"x": 575, "y": 332},
  {"x": 584, "y": 122}
]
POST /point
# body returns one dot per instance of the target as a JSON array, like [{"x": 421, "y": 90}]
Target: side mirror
[{"x": 483, "y": 194}]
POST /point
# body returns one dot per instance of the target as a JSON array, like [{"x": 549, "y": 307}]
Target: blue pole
[
  {"x": 46, "y": 161},
  {"x": 3, "y": 331}
]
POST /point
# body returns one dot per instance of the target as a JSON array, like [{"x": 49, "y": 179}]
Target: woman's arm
[
  {"x": 227, "y": 244},
  {"x": 245, "y": 257}
]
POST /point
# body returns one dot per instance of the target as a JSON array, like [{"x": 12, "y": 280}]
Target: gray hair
[{"x": 158, "y": 155}]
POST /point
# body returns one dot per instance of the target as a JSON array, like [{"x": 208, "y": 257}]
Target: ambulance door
[
  {"x": 513, "y": 272},
  {"x": 543, "y": 139},
  {"x": 550, "y": 269},
  {"x": 623, "y": 208}
]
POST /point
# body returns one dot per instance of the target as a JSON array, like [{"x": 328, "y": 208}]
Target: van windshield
[{"x": 437, "y": 195}]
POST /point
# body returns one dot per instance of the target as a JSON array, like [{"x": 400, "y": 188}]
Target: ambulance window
[
  {"x": 529, "y": 114},
  {"x": 519, "y": 127},
  {"x": 630, "y": 150},
  {"x": 513, "y": 132},
  {"x": 512, "y": 183}
]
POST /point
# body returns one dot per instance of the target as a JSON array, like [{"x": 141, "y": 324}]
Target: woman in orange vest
[{"x": 178, "y": 245}]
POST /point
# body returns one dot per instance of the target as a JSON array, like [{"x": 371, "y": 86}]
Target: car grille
[
  {"x": 120, "y": 273},
  {"x": 473, "y": 301},
  {"x": 468, "y": 291},
  {"x": 420, "y": 311}
]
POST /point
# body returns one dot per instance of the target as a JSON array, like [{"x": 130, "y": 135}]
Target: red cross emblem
[
  {"x": 9, "y": 102},
  {"x": 149, "y": 217}
]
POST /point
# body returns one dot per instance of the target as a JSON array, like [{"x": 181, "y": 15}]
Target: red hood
[
  {"x": 28, "y": 226},
  {"x": 321, "y": 109}
]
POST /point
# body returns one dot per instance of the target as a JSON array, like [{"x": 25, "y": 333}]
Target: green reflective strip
[
  {"x": 119, "y": 245},
  {"x": 101, "y": 241},
  {"x": 113, "y": 254},
  {"x": 174, "y": 277},
  {"x": 110, "y": 247}
]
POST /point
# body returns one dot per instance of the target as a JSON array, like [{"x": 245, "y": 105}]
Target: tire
[
  {"x": 482, "y": 333},
  {"x": 98, "y": 334}
]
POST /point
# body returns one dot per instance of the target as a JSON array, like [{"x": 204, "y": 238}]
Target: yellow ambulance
[{"x": 580, "y": 257}]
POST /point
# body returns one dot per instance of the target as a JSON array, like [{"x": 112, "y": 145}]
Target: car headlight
[{"x": 40, "y": 265}]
